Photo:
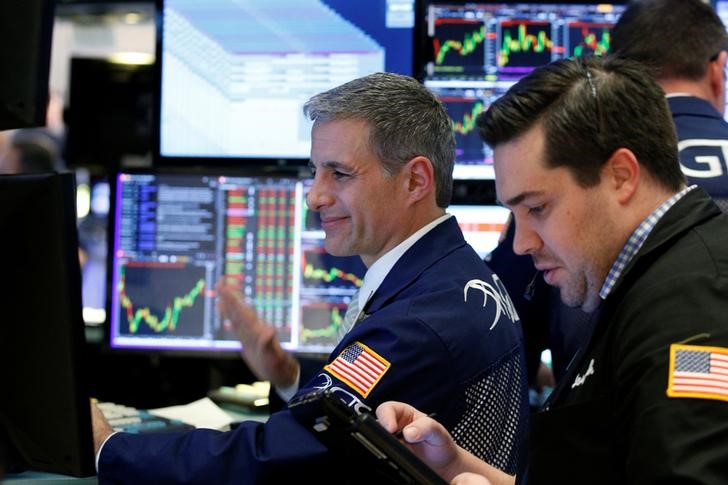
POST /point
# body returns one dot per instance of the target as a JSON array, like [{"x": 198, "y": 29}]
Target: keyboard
[{"x": 132, "y": 420}]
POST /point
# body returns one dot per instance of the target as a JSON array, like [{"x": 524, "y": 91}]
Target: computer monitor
[
  {"x": 25, "y": 55},
  {"x": 235, "y": 75},
  {"x": 176, "y": 233},
  {"x": 110, "y": 112},
  {"x": 45, "y": 416},
  {"x": 479, "y": 50}
]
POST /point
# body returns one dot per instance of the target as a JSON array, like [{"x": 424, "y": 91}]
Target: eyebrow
[
  {"x": 330, "y": 164},
  {"x": 521, "y": 197}
]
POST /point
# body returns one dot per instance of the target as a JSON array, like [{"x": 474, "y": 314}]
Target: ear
[
  {"x": 716, "y": 76},
  {"x": 420, "y": 177},
  {"x": 622, "y": 172}
]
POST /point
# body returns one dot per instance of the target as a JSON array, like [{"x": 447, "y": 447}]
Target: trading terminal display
[
  {"x": 176, "y": 235},
  {"x": 479, "y": 50}
]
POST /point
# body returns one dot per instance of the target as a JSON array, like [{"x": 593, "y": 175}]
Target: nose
[
  {"x": 318, "y": 196},
  {"x": 526, "y": 240}
]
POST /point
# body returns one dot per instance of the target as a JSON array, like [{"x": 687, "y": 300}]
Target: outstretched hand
[{"x": 262, "y": 350}]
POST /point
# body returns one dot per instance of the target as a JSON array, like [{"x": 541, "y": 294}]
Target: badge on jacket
[
  {"x": 360, "y": 367},
  {"x": 698, "y": 372}
]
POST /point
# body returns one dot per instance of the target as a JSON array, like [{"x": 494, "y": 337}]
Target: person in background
[
  {"x": 685, "y": 44},
  {"x": 586, "y": 157},
  {"x": 382, "y": 155},
  {"x": 30, "y": 151}
]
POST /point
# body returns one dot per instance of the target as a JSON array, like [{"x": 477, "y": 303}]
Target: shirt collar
[
  {"x": 381, "y": 267},
  {"x": 636, "y": 240}
]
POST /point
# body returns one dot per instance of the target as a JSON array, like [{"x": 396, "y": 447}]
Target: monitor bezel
[
  {"x": 51, "y": 419},
  {"x": 298, "y": 173},
  {"x": 423, "y": 47}
]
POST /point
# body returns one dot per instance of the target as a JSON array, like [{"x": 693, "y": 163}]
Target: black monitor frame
[
  {"x": 423, "y": 43},
  {"x": 467, "y": 88},
  {"x": 25, "y": 54},
  {"x": 217, "y": 348},
  {"x": 110, "y": 113},
  {"x": 44, "y": 409}
]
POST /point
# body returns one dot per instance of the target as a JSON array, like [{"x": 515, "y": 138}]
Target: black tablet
[{"x": 358, "y": 437}]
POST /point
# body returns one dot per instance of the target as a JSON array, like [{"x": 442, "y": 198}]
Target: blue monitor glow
[
  {"x": 92, "y": 202},
  {"x": 235, "y": 74},
  {"x": 176, "y": 234},
  {"x": 479, "y": 50}
]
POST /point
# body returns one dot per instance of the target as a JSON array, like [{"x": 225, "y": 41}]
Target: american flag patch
[
  {"x": 359, "y": 366},
  {"x": 699, "y": 372}
]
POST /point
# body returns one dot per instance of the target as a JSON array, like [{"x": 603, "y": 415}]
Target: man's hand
[
  {"x": 432, "y": 443},
  {"x": 429, "y": 439},
  {"x": 262, "y": 350},
  {"x": 470, "y": 479},
  {"x": 101, "y": 427}
]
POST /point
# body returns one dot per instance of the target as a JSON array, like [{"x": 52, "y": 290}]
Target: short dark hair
[
  {"x": 406, "y": 120},
  {"x": 675, "y": 38},
  {"x": 589, "y": 108}
]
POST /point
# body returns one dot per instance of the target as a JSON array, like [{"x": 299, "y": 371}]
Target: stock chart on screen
[
  {"x": 480, "y": 50},
  {"x": 176, "y": 234}
]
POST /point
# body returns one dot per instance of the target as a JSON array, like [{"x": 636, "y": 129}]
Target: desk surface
[{"x": 42, "y": 478}]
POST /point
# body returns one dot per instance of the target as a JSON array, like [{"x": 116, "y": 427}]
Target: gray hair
[{"x": 405, "y": 119}]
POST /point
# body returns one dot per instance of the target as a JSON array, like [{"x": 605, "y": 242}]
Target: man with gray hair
[{"x": 431, "y": 324}]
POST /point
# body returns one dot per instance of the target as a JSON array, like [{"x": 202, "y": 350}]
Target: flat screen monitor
[
  {"x": 479, "y": 50},
  {"x": 235, "y": 74},
  {"x": 175, "y": 234},
  {"x": 25, "y": 55},
  {"x": 45, "y": 420},
  {"x": 110, "y": 112}
]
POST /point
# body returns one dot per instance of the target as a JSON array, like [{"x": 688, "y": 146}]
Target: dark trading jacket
[
  {"x": 446, "y": 354},
  {"x": 611, "y": 421}
]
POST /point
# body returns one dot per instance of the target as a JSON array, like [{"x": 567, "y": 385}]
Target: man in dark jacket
[
  {"x": 585, "y": 156},
  {"x": 692, "y": 74}
]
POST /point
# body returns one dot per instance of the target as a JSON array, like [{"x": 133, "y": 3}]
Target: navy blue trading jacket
[
  {"x": 703, "y": 143},
  {"x": 449, "y": 342}
]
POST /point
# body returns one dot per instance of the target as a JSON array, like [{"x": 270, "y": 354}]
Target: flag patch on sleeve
[
  {"x": 360, "y": 367},
  {"x": 698, "y": 372}
]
